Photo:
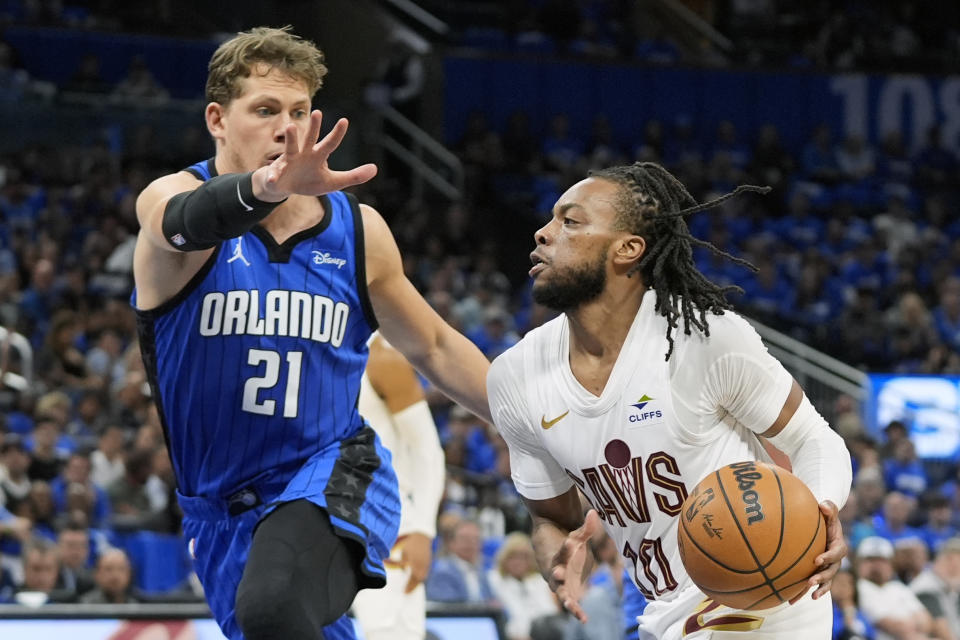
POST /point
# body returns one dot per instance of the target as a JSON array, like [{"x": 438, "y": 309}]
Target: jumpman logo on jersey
[{"x": 238, "y": 252}]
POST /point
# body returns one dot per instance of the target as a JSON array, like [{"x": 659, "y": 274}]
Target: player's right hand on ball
[
  {"x": 302, "y": 167},
  {"x": 571, "y": 566}
]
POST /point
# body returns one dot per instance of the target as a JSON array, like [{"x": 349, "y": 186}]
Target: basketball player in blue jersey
[{"x": 258, "y": 284}]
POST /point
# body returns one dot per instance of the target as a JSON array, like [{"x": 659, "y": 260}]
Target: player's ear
[
  {"x": 629, "y": 250},
  {"x": 213, "y": 114}
]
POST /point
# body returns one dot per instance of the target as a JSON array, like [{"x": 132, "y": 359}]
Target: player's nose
[{"x": 540, "y": 235}]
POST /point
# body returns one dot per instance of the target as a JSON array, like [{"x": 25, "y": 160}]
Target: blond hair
[
  {"x": 239, "y": 57},
  {"x": 514, "y": 543}
]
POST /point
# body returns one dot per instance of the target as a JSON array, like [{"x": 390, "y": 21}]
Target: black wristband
[{"x": 221, "y": 208}]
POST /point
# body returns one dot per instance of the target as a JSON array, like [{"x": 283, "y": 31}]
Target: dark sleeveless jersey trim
[
  {"x": 195, "y": 281},
  {"x": 281, "y": 252},
  {"x": 203, "y": 170},
  {"x": 146, "y": 331},
  {"x": 361, "y": 260}
]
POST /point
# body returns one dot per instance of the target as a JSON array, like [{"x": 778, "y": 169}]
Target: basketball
[{"x": 749, "y": 535}]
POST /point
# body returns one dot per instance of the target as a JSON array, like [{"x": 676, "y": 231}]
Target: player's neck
[
  {"x": 599, "y": 328},
  {"x": 296, "y": 214}
]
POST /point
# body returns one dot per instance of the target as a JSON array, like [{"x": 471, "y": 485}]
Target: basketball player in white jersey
[
  {"x": 644, "y": 385},
  {"x": 392, "y": 401}
]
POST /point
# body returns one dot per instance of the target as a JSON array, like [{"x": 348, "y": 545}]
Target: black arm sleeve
[{"x": 221, "y": 208}]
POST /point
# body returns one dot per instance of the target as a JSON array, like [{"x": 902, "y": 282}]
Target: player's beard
[{"x": 569, "y": 288}]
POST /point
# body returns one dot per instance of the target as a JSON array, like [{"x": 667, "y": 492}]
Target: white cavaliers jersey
[{"x": 657, "y": 429}]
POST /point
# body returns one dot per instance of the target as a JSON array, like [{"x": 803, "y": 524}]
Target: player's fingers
[
  {"x": 343, "y": 179},
  {"x": 823, "y": 589},
  {"x": 290, "y": 146},
  {"x": 571, "y": 605},
  {"x": 313, "y": 133},
  {"x": 412, "y": 583},
  {"x": 333, "y": 139},
  {"x": 591, "y": 523}
]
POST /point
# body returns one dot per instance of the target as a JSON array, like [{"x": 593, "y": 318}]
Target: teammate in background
[
  {"x": 258, "y": 284},
  {"x": 393, "y": 402},
  {"x": 645, "y": 384}
]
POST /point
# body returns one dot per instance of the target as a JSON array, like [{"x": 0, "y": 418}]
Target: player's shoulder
[
  {"x": 728, "y": 330},
  {"x": 511, "y": 366}
]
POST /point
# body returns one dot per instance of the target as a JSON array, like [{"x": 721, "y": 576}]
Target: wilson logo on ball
[{"x": 746, "y": 475}]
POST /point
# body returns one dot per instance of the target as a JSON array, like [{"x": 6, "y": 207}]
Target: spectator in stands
[
  {"x": 39, "y": 509},
  {"x": 939, "y": 526},
  {"x": 46, "y": 459},
  {"x": 938, "y": 588},
  {"x": 73, "y": 543},
  {"x": 946, "y": 316},
  {"x": 819, "y": 161},
  {"x": 131, "y": 404},
  {"x": 140, "y": 85},
  {"x": 459, "y": 576},
  {"x": 107, "y": 460},
  {"x": 911, "y": 325},
  {"x": 113, "y": 577},
  {"x": 892, "y": 522},
  {"x": 14, "y": 463},
  {"x": 87, "y": 420},
  {"x": 41, "y": 566},
  {"x": 855, "y": 160},
  {"x": 496, "y": 334},
  {"x": 887, "y": 603},
  {"x": 87, "y": 78},
  {"x": 518, "y": 144},
  {"x": 855, "y": 527},
  {"x": 904, "y": 472},
  {"x": 77, "y": 472},
  {"x": 897, "y": 225},
  {"x": 517, "y": 584},
  {"x": 910, "y": 558},
  {"x": 562, "y": 150},
  {"x": 38, "y": 302},
  {"x": 128, "y": 495},
  {"x": 935, "y": 165},
  {"x": 399, "y": 78},
  {"x": 849, "y": 623},
  {"x": 60, "y": 360}
]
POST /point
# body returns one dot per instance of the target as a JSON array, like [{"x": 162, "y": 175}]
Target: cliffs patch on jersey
[
  {"x": 644, "y": 412},
  {"x": 295, "y": 314}
]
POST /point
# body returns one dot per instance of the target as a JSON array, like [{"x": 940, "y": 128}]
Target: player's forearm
[
  {"x": 547, "y": 538},
  {"x": 817, "y": 454},
  {"x": 459, "y": 369}
]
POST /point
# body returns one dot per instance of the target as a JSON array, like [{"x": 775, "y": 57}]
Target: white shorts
[
  {"x": 389, "y": 613},
  {"x": 693, "y": 616}
]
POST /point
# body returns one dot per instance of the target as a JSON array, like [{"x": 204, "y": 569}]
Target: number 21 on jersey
[{"x": 271, "y": 376}]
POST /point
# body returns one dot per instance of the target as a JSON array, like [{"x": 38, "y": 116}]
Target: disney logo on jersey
[
  {"x": 644, "y": 412},
  {"x": 324, "y": 257}
]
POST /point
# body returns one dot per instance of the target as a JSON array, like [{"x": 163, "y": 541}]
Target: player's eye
[
  {"x": 299, "y": 114},
  {"x": 264, "y": 111},
  {"x": 568, "y": 221}
]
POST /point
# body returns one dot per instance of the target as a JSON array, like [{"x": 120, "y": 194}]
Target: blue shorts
[{"x": 352, "y": 480}]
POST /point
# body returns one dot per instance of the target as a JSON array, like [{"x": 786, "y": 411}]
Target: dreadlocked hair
[{"x": 653, "y": 204}]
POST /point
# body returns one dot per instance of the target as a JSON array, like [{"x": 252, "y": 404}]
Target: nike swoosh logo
[
  {"x": 546, "y": 424},
  {"x": 240, "y": 198}
]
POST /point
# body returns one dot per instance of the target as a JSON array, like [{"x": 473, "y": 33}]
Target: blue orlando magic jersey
[{"x": 256, "y": 364}]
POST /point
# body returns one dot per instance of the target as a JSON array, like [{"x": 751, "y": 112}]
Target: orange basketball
[{"x": 749, "y": 535}]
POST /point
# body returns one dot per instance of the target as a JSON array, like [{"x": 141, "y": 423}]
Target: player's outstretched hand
[
  {"x": 302, "y": 167},
  {"x": 571, "y": 566},
  {"x": 828, "y": 562},
  {"x": 415, "y": 553}
]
